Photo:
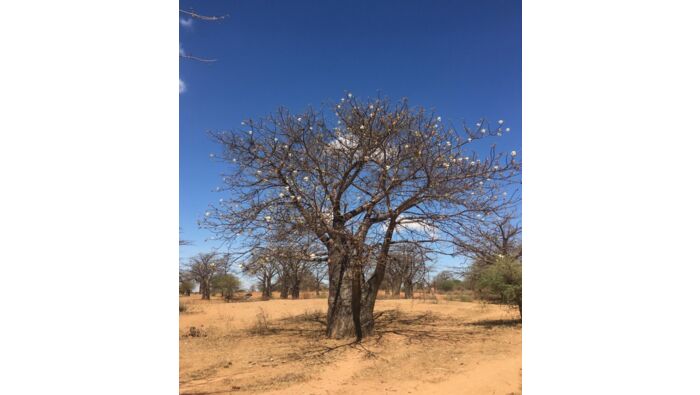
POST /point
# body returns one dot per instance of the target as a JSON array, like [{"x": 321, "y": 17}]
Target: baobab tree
[
  {"x": 204, "y": 266},
  {"x": 355, "y": 181},
  {"x": 295, "y": 251},
  {"x": 393, "y": 277},
  {"x": 263, "y": 267},
  {"x": 314, "y": 275},
  {"x": 283, "y": 255},
  {"x": 408, "y": 264}
]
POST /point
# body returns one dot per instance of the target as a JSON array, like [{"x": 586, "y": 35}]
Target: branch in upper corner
[
  {"x": 191, "y": 57},
  {"x": 203, "y": 17}
]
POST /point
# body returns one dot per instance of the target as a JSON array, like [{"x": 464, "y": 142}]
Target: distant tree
[
  {"x": 186, "y": 284},
  {"x": 265, "y": 269},
  {"x": 393, "y": 276},
  {"x": 186, "y": 287},
  {"x": 227, "y": 284},
  {"x": 408, "y": 264},
  {"x": 382, "y": 174},
  {"x": 314, "y": 276},
  {"x": 445, "y": 281},
  {"x": 281, "y": 259},
  {"x": 489, "y": 241},
  {"x": 501, "y": 283},
  {"x": 204, "y": 266}
]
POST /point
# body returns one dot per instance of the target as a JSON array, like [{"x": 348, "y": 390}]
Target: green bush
[
  {"x": 501, "y": 283},
  {"x": 186, "y": 287},
  {"x": 459, "y": 296},
  {"x": 227, "y": 284},
  {"x": 445, "y": 282}
]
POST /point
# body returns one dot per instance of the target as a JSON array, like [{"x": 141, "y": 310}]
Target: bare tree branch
[{"x": 203, "y": 17}]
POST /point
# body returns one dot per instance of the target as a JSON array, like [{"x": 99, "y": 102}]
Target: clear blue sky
[{"x": 462, "y": 58}]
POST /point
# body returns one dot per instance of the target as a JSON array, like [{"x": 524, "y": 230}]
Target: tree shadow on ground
[
  {"x": 418, "y": 328},
  {"x": 488, "y": 324},
  {"x": 307, "y": 333}
]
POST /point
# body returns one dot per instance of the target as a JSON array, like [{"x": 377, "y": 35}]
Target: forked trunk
[
  {"x": 347, "y": 309},
  {"x": 351, "y": 299}
]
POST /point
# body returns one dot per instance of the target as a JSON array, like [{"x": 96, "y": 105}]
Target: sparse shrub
[
  {"x": 429, "y": 298},
  {"x": 306, "y": 316},
  {"x": 261, "y": 326},
  {"x": 459, "y": 296},
  {"x": 446, "y": 282},
  {"x": 183, "y": 307}
]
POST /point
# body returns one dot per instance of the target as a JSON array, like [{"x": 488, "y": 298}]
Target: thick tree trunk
[
  {"x": 339, "y": 317},
  {"x": 286, "y": 284},
  {"x": 284, "y": 289},
  {"x": 266, "y": 287},
  {"x": 350, "y": 301},
  {"x": 296, "y": 287},
  {"x": 408, "y": 290},
  {"x": 204, "y": 290}
]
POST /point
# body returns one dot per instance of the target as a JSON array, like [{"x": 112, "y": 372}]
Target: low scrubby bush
[{"x": 501, "y": 283}]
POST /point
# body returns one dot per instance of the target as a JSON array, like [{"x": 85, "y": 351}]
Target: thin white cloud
[
  {"x": 186, "y": 22},
  {"x": 182, "y": 50},
  {"x": 183, "y": 87},
  {"x": 416, "y": 227}
]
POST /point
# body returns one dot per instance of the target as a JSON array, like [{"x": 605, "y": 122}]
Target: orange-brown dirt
[{"x": 278, "y": 347}]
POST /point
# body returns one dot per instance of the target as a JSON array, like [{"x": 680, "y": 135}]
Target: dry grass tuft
[
  {"x": 316, "y": 316},
  {"x": 262, "y": 325}
]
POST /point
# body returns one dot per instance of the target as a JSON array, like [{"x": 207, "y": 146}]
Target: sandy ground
[{"x": 278, "y": 347}]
